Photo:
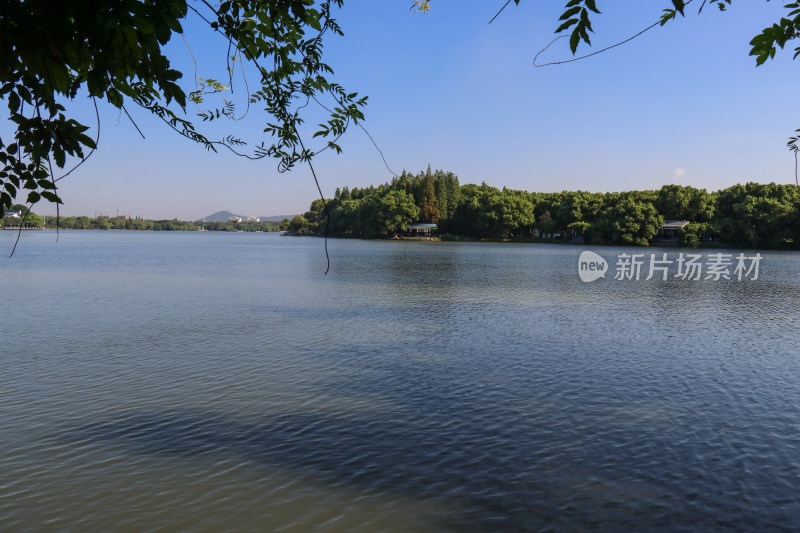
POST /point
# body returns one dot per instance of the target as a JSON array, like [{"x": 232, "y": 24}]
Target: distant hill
[
  {"x": 219, "y": 216},
  {"x": 223, "y": 216}
]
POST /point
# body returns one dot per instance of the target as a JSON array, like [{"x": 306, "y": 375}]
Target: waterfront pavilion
[{"x": 421, "y": 229}]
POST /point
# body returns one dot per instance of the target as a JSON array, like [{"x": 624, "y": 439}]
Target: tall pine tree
[{"x": 428, "y": 204}]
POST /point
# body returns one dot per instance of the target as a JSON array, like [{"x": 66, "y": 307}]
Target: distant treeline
[
  {"x": 121, "y": 223},
  {"x": 750, "y": 215}
]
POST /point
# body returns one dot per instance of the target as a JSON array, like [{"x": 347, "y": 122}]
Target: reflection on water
[{"x": 222, "y": 383}]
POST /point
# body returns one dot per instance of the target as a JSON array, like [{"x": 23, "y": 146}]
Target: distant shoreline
[
  {"x": 446, "y": 239},
  {"x": 52, "y": 228},
  {"x": 535, "y": 240}
]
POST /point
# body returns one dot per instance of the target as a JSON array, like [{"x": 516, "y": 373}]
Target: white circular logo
[{"x": 591, "y": 266}]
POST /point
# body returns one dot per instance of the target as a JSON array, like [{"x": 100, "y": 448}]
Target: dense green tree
[
  {"x": 676, "y": 202},
  {"x": 758, "y": 215},
  {"x": 489, "y": 212},
  {"x": 298, "y": 225},
  {"x": 453, "y": 193},
  {"x": 366, "y": 218},
  {"x": 343, "y": 218},
  {"x": 316, "y": 215},
  {"x": 626, "y": 219},
  {"x": 397, "y": 210},
  {"x": 546, "y": 210},
  {"x": 33, "y": 221},
  {"x": 442, "y": 198},
  {"x": 470, "y": 215},
  {"x": 509, "y": 213},
  {"x": 693, "y": 234},
  {"x": 576, "y": 211},
  {"x": 19, "y": 208},
  {"x": 428, "y": 203}
]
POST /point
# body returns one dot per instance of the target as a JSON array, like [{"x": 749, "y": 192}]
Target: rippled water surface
[{"x": 220, "y": 382}]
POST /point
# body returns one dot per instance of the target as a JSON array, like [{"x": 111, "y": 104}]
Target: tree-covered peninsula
[{"x": 750, "y": 215}]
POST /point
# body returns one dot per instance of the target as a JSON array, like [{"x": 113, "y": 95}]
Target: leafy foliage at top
[
  {"x": 113, "y": 50},
  {"x": 577, "y": 14}
]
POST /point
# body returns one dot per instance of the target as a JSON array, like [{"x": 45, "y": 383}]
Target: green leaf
[
  {"x": 13, "y": 102},
  {"x": 114, "y": 97},
  {"x": 60, "y": 157},
  {"x": 312, "y": 21},
  {"x": 86, "y": 141},
  {"x": 52, "y": 197},
  {"x": 574, "y": 39},
  {"x": 592, "y": 5},
  {"x": 585, "y": 22},
  {"x": 566, "y": 25},
  {"x": 584, "y": 34},
  {"x": 569, "y": 12},
  {"x": 33, "y": 197}
]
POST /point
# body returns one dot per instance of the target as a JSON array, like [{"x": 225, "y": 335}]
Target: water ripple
[{"x": 416, "y": 388}]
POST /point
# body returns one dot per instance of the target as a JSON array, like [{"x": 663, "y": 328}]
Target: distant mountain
[
  {"x": 219, "y": 216},
  {"x": 223, "y": 216}
]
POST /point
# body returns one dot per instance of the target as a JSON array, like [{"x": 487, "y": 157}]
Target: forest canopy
[{"x": 750, "y": 215}]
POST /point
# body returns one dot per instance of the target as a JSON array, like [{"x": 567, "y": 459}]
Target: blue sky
[{"x": 681, "y": 104}]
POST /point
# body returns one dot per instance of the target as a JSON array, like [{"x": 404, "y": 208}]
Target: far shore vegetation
[
  {"x": 751, "y": 215},
  {"x": 19, "y": 215}
]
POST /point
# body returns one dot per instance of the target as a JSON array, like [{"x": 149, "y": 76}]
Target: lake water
[{"x": 221, "y": 382}]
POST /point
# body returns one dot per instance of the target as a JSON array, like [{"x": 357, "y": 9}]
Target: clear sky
[{"x": 681, "y": 104}]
